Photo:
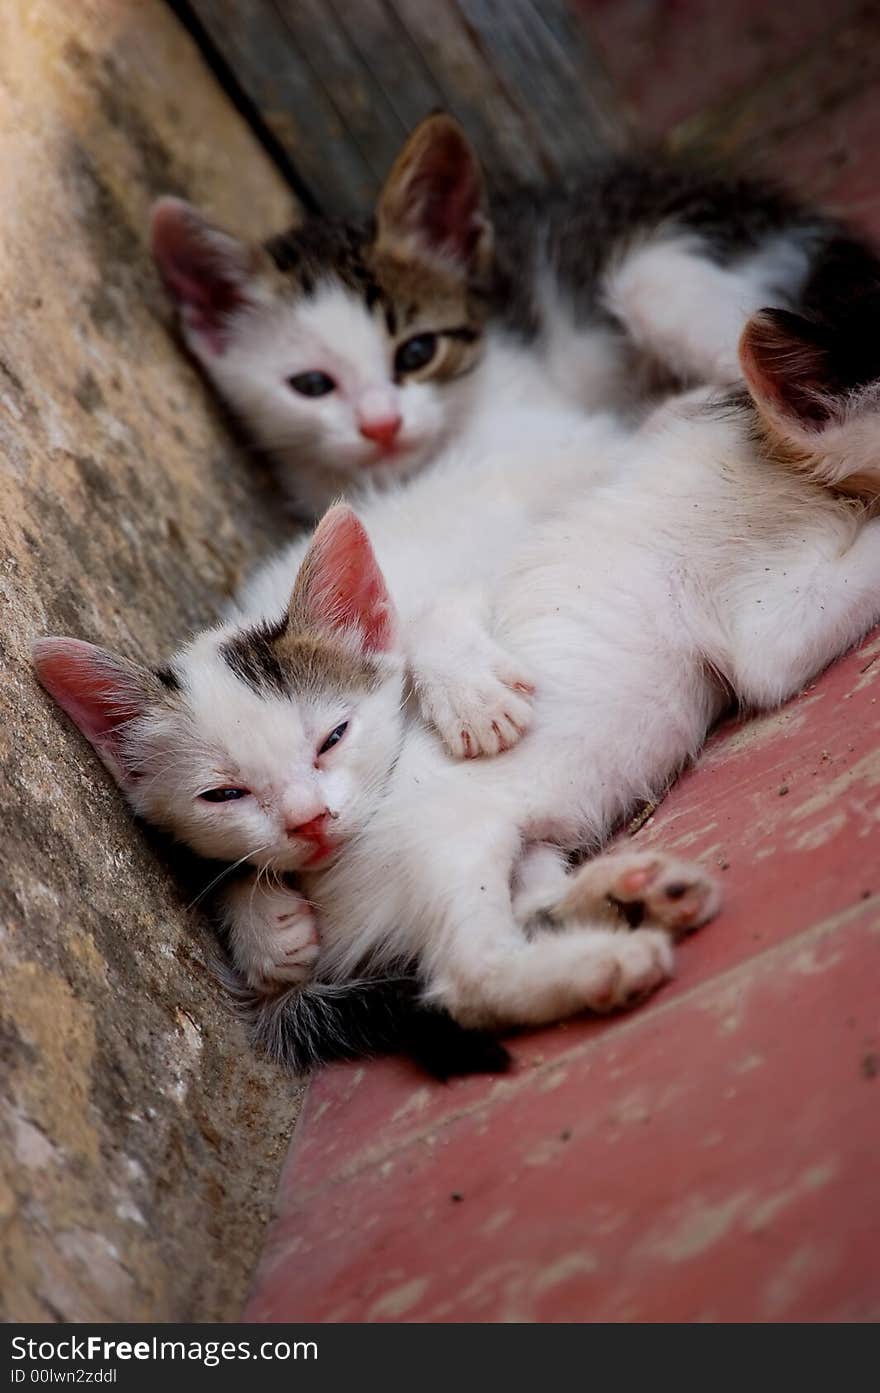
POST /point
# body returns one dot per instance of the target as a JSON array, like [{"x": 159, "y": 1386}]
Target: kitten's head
[
  {"x": 269, "y": 744},
  {"x": 816, "y": 386},
  {"x": 341, "y": 345}
]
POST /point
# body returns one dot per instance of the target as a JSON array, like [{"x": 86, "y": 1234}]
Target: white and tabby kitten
[
  {"x": 442, "y": 538},
  {"x": 635, "y": 609},
  {"x": 354, "y": 351}
]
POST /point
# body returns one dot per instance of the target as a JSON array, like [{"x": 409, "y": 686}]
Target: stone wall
[{"x": 140, "y": 1139}]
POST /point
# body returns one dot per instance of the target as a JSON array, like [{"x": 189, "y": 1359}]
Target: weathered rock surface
[{"x": 140, "y": 1138}]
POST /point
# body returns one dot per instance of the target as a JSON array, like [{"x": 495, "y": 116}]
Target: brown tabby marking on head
[
  {"x": 429, "y": 298},
  {"x": 169, "y": 679},
  {"x": 424, "y": 264},
  {"x": 407, "y": 293},
  {"x": 290, "y": 658},
  {"x": 433, "y": 249},
  {"x": 321, "y": 249}
]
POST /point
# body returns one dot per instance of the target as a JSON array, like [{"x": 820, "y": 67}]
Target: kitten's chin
[
  {"x": 403, "y": 453},
  {"x": 399, "y": 462},
  {"x": 320, "y": 856},
  {"x": 323, "y": 856}
]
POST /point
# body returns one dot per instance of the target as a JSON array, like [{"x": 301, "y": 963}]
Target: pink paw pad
[
  {"x": 633, "y": 882},
  {"x": 604, "y": 996},
  {"x": 673, "y": 894}
]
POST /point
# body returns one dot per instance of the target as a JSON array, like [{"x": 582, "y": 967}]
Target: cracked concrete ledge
[{"x": 140, "y": 1139}]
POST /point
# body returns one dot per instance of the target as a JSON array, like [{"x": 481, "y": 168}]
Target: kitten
[
  {"x": 636, "y": 606},
  {"x": 355, "y": 351},
  {"x": 447, "y": 533}
]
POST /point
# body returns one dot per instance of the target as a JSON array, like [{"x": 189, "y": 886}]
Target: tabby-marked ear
[
  {"x": 340, "y": 585},
  {"x": 100, "y": 692},
  {"x": 787, "y": 365},
  {"x": 207, "y": 272},
  {"x": 434, "y": 200}
]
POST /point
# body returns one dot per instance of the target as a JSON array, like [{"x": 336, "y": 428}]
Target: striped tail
[{"x": 324, "y": 1021}]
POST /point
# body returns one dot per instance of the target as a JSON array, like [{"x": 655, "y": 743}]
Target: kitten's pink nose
[
  {"x": 313, "y": 830},
  {"x": 381, "y": 429}
]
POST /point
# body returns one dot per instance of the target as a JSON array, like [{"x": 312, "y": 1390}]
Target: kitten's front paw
[
  {"x": 482, "y": 710},
  {"x": 649, "y": 886},
  {"x": 273, "y": 934},
  {"x": 292, "y": 950}
]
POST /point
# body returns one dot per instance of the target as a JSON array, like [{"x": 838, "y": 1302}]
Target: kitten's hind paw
[
  {"x": 484, "y": 712},
  {"x": 635, "y": 967},
  {"x": 648, "y": 887}
]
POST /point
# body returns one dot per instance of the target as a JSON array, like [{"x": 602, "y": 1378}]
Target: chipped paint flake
[
  {"x": 564, "y": 1269},
  {"x": 696, "y": 1229},
  {"x": 399, "y": 1300}
]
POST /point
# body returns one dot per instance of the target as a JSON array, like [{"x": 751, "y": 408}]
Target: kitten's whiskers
[{"x": 227, "y": 870}]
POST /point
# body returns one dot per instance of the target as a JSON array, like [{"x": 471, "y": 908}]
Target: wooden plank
[
  {"x": 318, "y": 31},
  {"x": 274, "y": 70},
  {"x": 541, "y": 55},
  {"x": 386, "y": 48},
  {"x": 341, "y": 82},
  {"x": 473, "y": 91}
]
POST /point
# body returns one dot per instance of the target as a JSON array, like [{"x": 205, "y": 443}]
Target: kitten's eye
[
  {"x": 224, "y": 795},
  {"x": 312, "y": 384},
  {"x": 415, "y": 353},
  {"x": 333, "y": 738}
]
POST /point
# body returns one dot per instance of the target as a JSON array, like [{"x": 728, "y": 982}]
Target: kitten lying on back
[
  {"x": 723, "y": 556},
  {"x": 354, "y": 351},
  {"x": 443, "y": 538}
]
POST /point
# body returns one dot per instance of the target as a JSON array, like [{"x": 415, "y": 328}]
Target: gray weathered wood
[
  {"x": 272, "y": 67},
  {"x": 361, "y": 102},
  {"x": 341, "y": 82},
  {"x": 541, "y": 56}
]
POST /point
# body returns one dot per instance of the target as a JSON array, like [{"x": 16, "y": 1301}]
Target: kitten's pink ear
[
  {"x": 340, "y": 585},
  {"x": 100, "y": 692},
  {"x": 205, "y": 269},
  {"x": 434, "y": 200},
  {"x": 785, "y": 361}
]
